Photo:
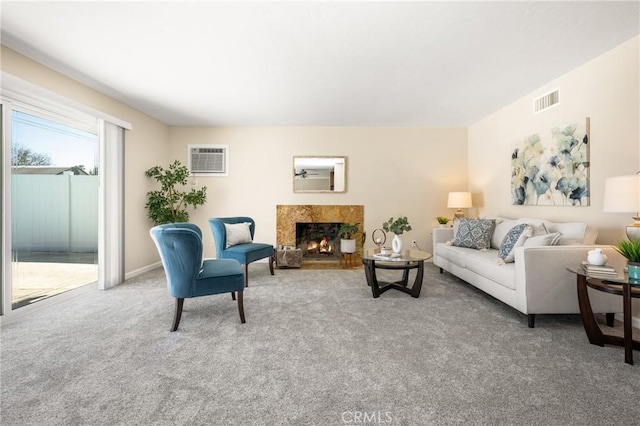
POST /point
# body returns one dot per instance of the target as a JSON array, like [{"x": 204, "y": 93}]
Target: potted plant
[
  {"x": 631, "y": 250},
  {"x": 442, "y": 220},
  {"x": 169, "y": 204},
  {"x": 346, "y": 232},
  {"x": 397, "y": 226}
]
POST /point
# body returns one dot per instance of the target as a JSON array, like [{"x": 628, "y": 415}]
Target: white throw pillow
[
  {"x": 572, "y": 233},
  {"x": 238, "y": 233},
  {"x": 543, "y": 240}
]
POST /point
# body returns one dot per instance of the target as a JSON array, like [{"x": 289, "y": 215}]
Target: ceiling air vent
[
  {"x": 208, "y": 160},
  {"x": 546, "y": 101}
]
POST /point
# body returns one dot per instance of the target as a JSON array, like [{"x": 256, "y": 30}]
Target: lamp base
[
  {"x": 633, "y": 232},
  {"x": 459, "y": 214}
]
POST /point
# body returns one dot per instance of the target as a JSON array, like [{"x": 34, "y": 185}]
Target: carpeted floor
[{"x": 317, "y": 349}]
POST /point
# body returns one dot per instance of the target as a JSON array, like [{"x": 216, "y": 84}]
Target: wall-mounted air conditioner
[{"x": 208, "y": 160}]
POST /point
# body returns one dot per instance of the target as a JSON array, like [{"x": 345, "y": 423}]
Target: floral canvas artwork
[{"x": 552, "y": 169}]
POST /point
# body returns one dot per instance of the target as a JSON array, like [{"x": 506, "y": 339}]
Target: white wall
[
  {"x": 605, "y": 89},
  {"x": 391, "y": 171}
]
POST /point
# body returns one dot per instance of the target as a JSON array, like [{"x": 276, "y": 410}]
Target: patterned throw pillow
[
  {"x": 474, "y": 233},
  {"x": 514, "y": 238}
]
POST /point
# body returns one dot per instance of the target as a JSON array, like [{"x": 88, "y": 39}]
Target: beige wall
[
  {"x": 391, "y": 171},
  {"x": 605, "y": 89},
  {"x": 146, "y": 145}
]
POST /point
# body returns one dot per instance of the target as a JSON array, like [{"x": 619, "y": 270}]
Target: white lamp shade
[
  {"x": 622, "y": 194},
  {"x": 459, "y": 200}
]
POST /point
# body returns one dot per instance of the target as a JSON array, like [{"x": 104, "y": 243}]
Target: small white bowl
[{"x": 385, "y": 251}]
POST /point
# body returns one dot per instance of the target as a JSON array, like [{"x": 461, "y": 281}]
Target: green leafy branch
[{"x": 169, "y": 204}]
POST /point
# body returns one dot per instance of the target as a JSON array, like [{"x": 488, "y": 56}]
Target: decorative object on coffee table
[
  {"x": 379, "y": 237},
  {"x": 597, "y": 257},
  {"x": 398, "y": 227},
  {"x": 631, "y": 250}
]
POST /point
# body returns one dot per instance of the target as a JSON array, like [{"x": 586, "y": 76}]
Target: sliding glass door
[{"x": 54, "y": 207}]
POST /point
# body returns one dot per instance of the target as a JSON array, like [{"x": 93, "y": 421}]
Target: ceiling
[{"x": 306, "y": 63}]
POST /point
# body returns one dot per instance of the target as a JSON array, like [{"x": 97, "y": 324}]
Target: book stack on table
[{"x": 599, "y": 271}]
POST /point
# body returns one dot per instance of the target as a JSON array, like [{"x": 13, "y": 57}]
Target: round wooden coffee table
[{"x": 409, "y": 259}]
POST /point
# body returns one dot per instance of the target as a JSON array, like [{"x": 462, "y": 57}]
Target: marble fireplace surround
[{"x": 288, "y": 215}]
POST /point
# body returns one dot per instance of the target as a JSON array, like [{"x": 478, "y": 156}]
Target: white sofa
[{"x": 538, "y": 281}]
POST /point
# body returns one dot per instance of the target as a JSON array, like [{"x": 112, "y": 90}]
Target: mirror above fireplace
[{"x": 319, "y": 174}]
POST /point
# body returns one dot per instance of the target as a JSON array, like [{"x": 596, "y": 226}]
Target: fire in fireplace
[{"x": 318, "y": 240}]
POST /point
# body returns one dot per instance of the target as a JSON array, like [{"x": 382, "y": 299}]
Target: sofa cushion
[
  {"x": 514, "y": 238},
  {"x": 484, "y": 264},
  {"x": 452, "y": 254},
  {"x": 474, "y": 233},
  {"x": 574, "y": 233},
  {"x": 543, "y": 240}
]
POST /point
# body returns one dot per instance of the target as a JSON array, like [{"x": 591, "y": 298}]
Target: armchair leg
[
  {"x": 177, "y": 314},
  {"x": 271, "y": 261},
  {"x": 233, "y": 295},
  {"x": 246, "y": 275},
  {"x": 241, "y": 307}
]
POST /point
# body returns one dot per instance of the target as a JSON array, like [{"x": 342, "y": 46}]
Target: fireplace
[
  {"x": 318, "y": 240},
  {"x": 289, "y": 216}
]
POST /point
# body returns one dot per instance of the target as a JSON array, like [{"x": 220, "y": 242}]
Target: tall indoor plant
[
  {"x": 631, "y": 250},
  {"x": 169, "y": 204},
  {"x": 397, "y": 226}
]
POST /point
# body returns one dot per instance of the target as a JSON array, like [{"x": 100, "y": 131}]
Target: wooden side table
[{"x": 621, "y": 286}]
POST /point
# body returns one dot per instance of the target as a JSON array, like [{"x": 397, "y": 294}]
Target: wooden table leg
[
  {"x": 372, "y": 281},
  {"x": 586, "y": 313},
  {"x": 417, "y": 284},
  {"x": 628, "y": 332}
]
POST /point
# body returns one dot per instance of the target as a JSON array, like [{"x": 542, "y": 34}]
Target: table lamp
[
  {"x": 622, "y": 195},
  {"x": 459, "y": 200}
]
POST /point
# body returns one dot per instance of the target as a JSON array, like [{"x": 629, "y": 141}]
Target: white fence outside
[{"x": 55, "y": 213}]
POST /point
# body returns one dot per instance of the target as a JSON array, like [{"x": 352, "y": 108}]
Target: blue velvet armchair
[
  {"x": 244, "y": 253},
  {"x": 180, "y": 248}
]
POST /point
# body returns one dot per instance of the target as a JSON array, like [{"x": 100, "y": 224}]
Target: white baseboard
[{"x": 142, "y": 270}]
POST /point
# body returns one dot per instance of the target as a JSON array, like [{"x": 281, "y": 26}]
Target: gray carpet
[{"x": 317, "y": 349}]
